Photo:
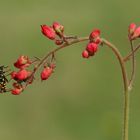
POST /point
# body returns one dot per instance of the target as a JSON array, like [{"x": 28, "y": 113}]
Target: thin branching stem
[
  {"x": 67, "y": 44},
  {"x": 126, "y": 58},
  {"x": 125, "y": 81},
  {"x": 133, "y": 66},
  {"x": 122, "y": 64}
]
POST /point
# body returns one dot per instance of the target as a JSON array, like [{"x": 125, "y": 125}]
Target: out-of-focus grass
[{"x": 83, "y": 98}]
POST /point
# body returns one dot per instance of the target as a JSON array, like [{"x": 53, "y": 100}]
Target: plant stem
[
  {"x": 125, "y": 81},
  {"x": 133, "y": 66},
  {"x": 126, "y": 115},
  {"x": 77, "y": 40},
  {"x": 131, "y": 54},
  {"x": 120, "y": 59}
]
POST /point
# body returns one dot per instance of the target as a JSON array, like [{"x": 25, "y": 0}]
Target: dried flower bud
[
  {"x": 13, "y": 74},
  {"x": 48, "y": 32},
  {"x": 92, "y": 47},
  {"x": 46, "y": 73},
  {"x": 94, "y": 34},
  {"x": 131, "y": 28},
  {"x": 136, "y": 33},
  {"x": 22, "y": 74},
  {"x": 16, "y": 91},
  {"x": 58, "y": 28},
  {"x": 22, "y": 62},
  {"x": 85, "y": 54}
]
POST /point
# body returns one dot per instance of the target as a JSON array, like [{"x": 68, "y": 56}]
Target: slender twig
[
  {"x": 37, "y": 58},
  {"x": 59, "y": 48},
  {"x": 70, "y": 37},
  {"x": 131, "y": 53},
  {"x": 120, "y": 58},
  {"x": 66, "y": 44},
  {"x": 126, "y": 94},
  {"x": 133, "y": 66}
]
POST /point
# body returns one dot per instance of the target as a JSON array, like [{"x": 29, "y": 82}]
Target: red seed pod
[
  {"x": 46, "y": 73},
  {"x": 92, "y": 47},
  {"x": 132, "y": 28},
  {"x": 58, "y": 28},
  {"x": 94, "y": 34},
  {"x": 136, "y": 33},
  {"x": 22, "y": 62},
  {"x": 13, "y": 74},
  {"x": 48, "y": 32},
  {"x": 22, "y": 74},
  {"x": 16, "y": 91},
  {"x": 23, "y": 59},
  {"x": 85, "y": 54}
]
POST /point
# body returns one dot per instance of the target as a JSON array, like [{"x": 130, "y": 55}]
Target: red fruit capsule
[
  {"x": 136, "y": 33},
  {"x": 92, "y": 47},
  {"x": 131, "y": 28},
  {"x": 85, "y": 54},
  {"x": 48, "y": 32},
  {"x": 46, "y": 73},
  {"x": 22, "y": 74},
  {"x": 22, "y": 62},
  {"x": 58, "y": 27},
  {"x": 16, "y": 91},
  {"x": 13, "y": 75},
  {"x": 95, "y": 33}
]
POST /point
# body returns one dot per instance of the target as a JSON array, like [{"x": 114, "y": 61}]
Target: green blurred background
[{"x": 83, "y": 98}]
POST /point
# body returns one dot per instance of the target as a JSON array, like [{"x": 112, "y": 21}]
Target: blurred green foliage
[{"x": 83, "y": 98}]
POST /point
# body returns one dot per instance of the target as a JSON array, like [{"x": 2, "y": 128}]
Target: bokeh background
[{"x": 83, "y": 98}]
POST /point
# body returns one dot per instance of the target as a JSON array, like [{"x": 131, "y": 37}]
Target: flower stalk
[{"x": 126, "y": 89}]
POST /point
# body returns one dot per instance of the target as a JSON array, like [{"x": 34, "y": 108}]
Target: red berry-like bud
[
  {"x": 22, "y": 62},
  {"x": 48, "y": 32},
  {"x": 16, "y": 91},
  {"x": 58, "y": 28},
  {"x": 22, "y": 74},
  {"x": 13, "y": 75},
  {"x": 95, "y": 33},
  {"x": 131, "y": 28},
  {"x": 46, "y": 73},
  {"x": 92, "y": 47},
  {"x": 85, "y": 54},
  {"x": 136, "y": 33}
]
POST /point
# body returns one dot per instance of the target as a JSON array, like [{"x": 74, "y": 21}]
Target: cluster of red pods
[
  {"x": 93, "y": 45},
  {"x": 22, "y": 77},
  {"x": 25, "y": 76}
]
